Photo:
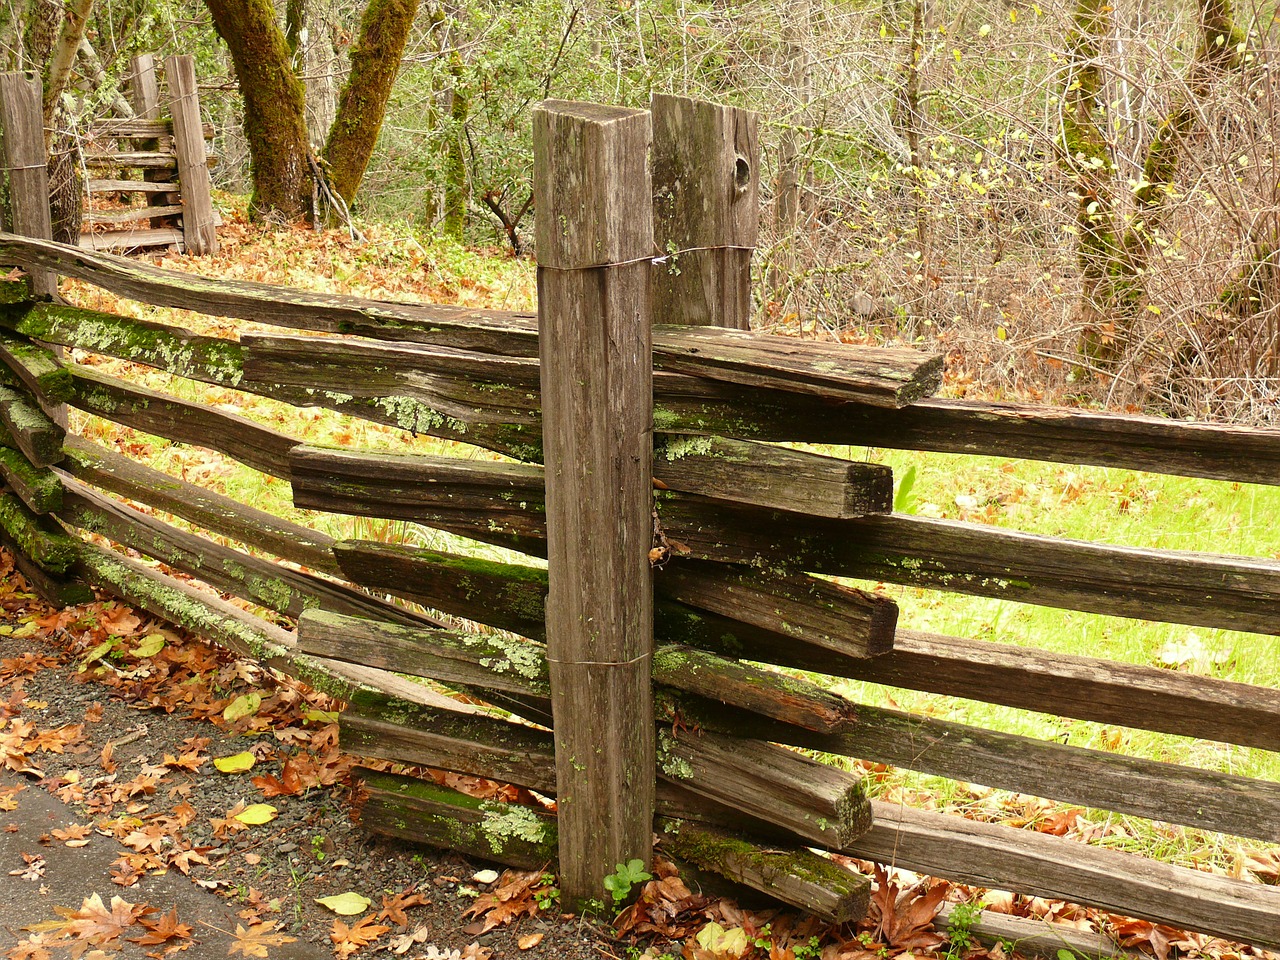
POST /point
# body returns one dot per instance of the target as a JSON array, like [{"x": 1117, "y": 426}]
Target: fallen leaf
[
  {"x": 257, "y": 814},
  {"x": 163, "y": 930},
  {"x": 530, "y": 941},
  {"x": 245, "y": 705},
  {"x": 258, "y": 940},
  {"x": 236, "y": 763},
  {"x": 346, "y": 904},
  {"x": 349, "y": 940}
]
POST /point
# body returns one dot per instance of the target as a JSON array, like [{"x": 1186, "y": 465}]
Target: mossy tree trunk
[
  {"x": 456, "y": 185},
  {"x": 1114, "y": 260},
  {"x": 274, "y": 106},
  {"x": 375, "y": 62}
]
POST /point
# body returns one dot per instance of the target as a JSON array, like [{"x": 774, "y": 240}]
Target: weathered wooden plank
[
  {"x": 259, "y": 580},
  {"x": 1035, "y": 937},
  {"x": 592, "y": 196},
  {"x": 501, "y": 504},
  {"x": 114, "y": 218},
  {"x": 141, "y": 159},
  {"x": 41, "y": 540},
  {"x": 821, "y": 804},
  {"x": 131, "y": 186},
  {"x": 815, "y": 611},
  {"x": 775, "y": 477},
  {"x": 261, "y": 448},
  {"x": 793, "y": 875},
  {"x": 188, "y": 145},
  {"x": 37, "y": 368},
  {"x": 423, "y": 812},
  {"x": 451, "y": 657},
  {"x": 133, "y": 239},
  {"x": 1171, "y": 793},
  {"x": 28, "y": 428},
  {"x": 138, "y": 128},
  {"x": 215, "y": 512},
  {"x": 24, "y": 171},
  {"x": 59, "y": 591},
  {"x": 37, "y": 487},
  {"x": 1037, "y": 864},
  {"x": 207, "y": 359},
  {"x": 706, "y": 178}
]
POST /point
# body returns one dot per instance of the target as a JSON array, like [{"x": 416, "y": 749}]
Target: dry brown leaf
[
  {"x": 529, "y": 941},
  {"x": 352, "y": 939},
  {"x": 258, "y": 940}
]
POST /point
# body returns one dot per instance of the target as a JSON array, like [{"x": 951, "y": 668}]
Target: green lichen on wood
[
  {"x": 29, "y": 428},
  {"x": 15, "y": 292},
  {"x": 38, "y": 487},
  {"x": 40, "y": 540},
  {"x": 208, "y": 359},
  {"x": 37, "y": 367}
]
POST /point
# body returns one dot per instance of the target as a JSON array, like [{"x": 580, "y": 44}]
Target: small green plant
[
  {"x": 764, "y": 938},
  {"x": 960, "y": 929},
  {"x": 317, "y": 848},
  {"x": 624, "y": 877},
  {"x": 808, "y": 951},
  {"x": 547, "y": 895}
]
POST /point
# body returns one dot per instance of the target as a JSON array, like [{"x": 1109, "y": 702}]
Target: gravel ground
[{"x": 272, "y": 872}]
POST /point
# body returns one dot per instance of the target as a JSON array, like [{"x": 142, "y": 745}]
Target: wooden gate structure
[{"x": 628, "y": 672}]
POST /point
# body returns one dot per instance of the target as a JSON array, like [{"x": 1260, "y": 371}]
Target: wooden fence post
[
  {"x": 144, "y": 97},
  {"x": 25, "y": 168},
  {"x": 595, "y": 244},
  {"x": 706, "y": 175},
  {"x": 198, "y": 225}
]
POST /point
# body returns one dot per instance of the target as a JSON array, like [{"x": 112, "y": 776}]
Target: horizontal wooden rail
[
  {"x": 511, "y": 596},
  {"x": 135, "y": 128},
  {"x": 740, "y": 700},
  {"x": 940, "y": 845},
  {"x": 502, "y": 503},
  {"x": 259, "y": 447}
]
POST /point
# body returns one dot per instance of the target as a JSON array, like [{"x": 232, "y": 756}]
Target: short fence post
[
  {"x": 706, "y": 163},
  {"x": 595, "y": 244},
  {"x": 26, "y": 168},
  {"x": 144, "y": 97},
  {"x": 198, "y": 227}
]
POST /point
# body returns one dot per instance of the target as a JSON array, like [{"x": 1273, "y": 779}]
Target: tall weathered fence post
[
  {"x": 25, "y": 172},
  {"x": 706, "y": 176},
  {"x": 595, "y": 244},
  {"x": 198, "y": 227}
]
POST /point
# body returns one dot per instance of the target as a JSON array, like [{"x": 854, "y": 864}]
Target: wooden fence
[
  {"x": 663, "y": 716},
  {"x": 163, "y": 146}
]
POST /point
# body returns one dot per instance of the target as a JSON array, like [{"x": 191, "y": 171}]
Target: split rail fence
[{"x": 679, "y": 563}]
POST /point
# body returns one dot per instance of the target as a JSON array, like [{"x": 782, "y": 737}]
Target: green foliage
[
  {"x": 624, "y": 877},
  {"x": 960, "y": 929}
]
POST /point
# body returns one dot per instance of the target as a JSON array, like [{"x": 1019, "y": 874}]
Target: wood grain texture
[
  {"x": 423, "y": 812},
  {"x": 37, "y": 368},
  {"x": 28, "y": 428},
  {"x": 1037, "y": 864},
  {"x": 134, "y": 239},
  {"x": 198, "y": 226},
  {"x": 114, "y": 218},
  {"x": 131, "y": 186},
  {"x": 778, "y": 478},
  {"x": 139, "y": 159},
  {"x": 1235, "y": 593},
  {"x": 706, "y": 180},
  {"x": 825, "y": 806},
  {"x": 1035, "y": 937},
  {"x": 213, "y": 511},
  {"x": 262, "y": 581},
  {"x": 37, "y": 487},
  {"x": 24, "y": 170},
  {"x": 793, "y": 875},
  {"x": 138, "y": 128},
  {"x": 151, "y": 412}
]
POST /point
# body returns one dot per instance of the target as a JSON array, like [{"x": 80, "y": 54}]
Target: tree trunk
[
  {"x": 61, "y": 60},
  {"x": 274, "y": 106},
  {"x": 455, "y": 182},
  {"x": 375, "y": 62}
]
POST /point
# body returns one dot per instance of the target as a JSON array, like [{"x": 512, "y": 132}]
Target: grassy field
[{"x": 1084, "y": 503}]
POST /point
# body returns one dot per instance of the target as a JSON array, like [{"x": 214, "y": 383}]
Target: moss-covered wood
[
  {"x": 15, "y": 292},
  {"x": 56, "y": 590},
  {"x": 274, "y": 105},
  {"x": 1041, "y": 865},
  {"x": 41, "y": 540},
  {"x": 27, "y": 428},
  {"x": 262, "y": 581},
  {"x": 389, "y": 728},
  {"x": 423, "y": 812},
  {"x": 825, "y": 806},
  {"x": 37, "y": 368},
  {"x": 207, "y": 359},
  {"x": 215, "y": 512},
  {"x": 375, "y": 62},
  {"x": 796, "y": 876},
  {"x": 37, "y": 487},
  {"x": 818, "y": 612},
  {"x": 185, "y": 422},
  {"x": 452, "y": 657}
]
